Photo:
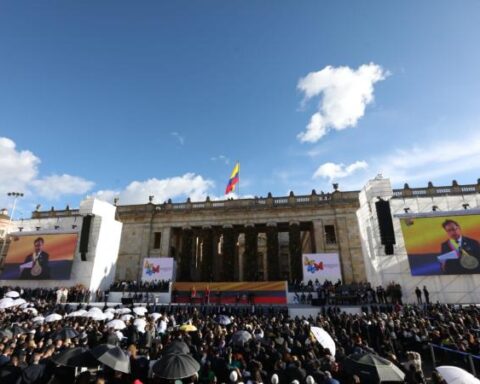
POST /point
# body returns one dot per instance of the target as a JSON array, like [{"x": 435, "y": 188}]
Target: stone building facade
[{"x": 242, "y": 240}]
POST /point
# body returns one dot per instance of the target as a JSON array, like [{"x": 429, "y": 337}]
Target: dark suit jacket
[
  {"x": 33, "y": 374},
  {"x": 453, "y": 267},
  {"x": 10, "y": 374},
  {"x": 43, "y": 261},
  {"x": 4, "y": 360}
]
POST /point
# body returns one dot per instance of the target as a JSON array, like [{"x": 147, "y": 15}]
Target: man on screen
[
  {"x": 466, "y": 250},
  {"x": 36, "y": 265}
]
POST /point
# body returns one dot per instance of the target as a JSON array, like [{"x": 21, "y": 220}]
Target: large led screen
[
  {"x": 442, "y": 245},
  {"x": 40, "y": 257}
]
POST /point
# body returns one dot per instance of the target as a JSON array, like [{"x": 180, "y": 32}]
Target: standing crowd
[{"x": 279, "y": 349}]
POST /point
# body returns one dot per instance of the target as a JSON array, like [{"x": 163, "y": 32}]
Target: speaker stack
[
  {"x": 85, "y": 236},
  {"x": 385, "y": 223}
]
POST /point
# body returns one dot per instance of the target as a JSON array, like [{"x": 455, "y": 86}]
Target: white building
[
  {"x": 97, "y": 269},
  {"x": 382, "y": 269}
]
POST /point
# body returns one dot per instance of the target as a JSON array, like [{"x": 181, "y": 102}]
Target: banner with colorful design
[
  {"x": 321, "y": 266},
  {"x": 157, "y": 269}
]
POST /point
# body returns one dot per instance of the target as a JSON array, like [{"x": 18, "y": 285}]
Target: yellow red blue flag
[{"x": 234, "y": 179}]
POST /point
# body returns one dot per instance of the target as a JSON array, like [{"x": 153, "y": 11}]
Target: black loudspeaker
[
  {"x": 316, "y": 302},
  {"x": 127, "y": 301},
  {"x": 385, "y": 223},
  {"x": 389, "y": 249},
  {"x": 85, "y": 236}
]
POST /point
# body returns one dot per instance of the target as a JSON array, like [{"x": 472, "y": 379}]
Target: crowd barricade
[{"x": 447, "y": 356}]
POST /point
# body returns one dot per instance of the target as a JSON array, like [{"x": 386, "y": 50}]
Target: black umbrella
[
  {"x": 6, "y": 333},
  {"x": 241, "y": 337},
  {"x": 17, "y": 330},
  {"x": 75, "y": 357},
  {"x": 112, "y": 357},
  {"x": 372, "y": 368},
  {"x": 65, "y": 333},
  {"x": 176, "y": 366},
  {"x": 223, "y": 320},
  {"x": 177, "y": 346}
]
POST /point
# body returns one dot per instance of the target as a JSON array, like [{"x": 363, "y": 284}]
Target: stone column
[
  {"x": 218, "y": 262},
  {"x": 318, "y": 236},
  {"x": 343, "y": 242},
  {"x": 273, "y": 265},
  {"x": 295, "y": 248},
  {"x": 165, "y": 242},
  {"x": 250, "y": 262},
  {"x": 228, "y": 253},
  {"x": 207, "y": 254},
  {"x": 240, "y": 260},
  {"x": 186, "y": 255}
]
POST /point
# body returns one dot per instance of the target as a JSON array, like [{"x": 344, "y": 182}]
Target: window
[
  {"x": 157, "y": 239},
  {"x": 330, "y": 237}
]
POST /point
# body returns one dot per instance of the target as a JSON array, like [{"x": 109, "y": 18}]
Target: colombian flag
[{"x": 234, "y": 179}]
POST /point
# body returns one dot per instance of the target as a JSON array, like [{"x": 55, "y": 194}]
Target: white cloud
[
  {"x": 345, "y": 93},
  {"x": 17, "y": 168},
  {"x": 137, "y": 192},
  {"x": 55, "y": 186},
  {"x": 221, "y": 158},
  {"x": 334, "y": 171},
  {"x": 438, "y": 159},
  {"x": 315, "y": 152},
  {"x": 179, "y": 137}
]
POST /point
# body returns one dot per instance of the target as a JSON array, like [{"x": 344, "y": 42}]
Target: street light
[{"x": 15, "y": 196}]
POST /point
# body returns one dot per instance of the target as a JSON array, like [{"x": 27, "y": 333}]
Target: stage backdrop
[
  {"x": 54, "y": 263},
  {"x": 157, "y": 269},
  {"x": 321, "y": 266},
  {"x": 430, "y": 251}
]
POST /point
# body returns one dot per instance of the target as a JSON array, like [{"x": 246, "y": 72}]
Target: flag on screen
[{"x": 234, "y": 179}]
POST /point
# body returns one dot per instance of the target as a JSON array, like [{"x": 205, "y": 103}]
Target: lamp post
[{"x": 15, "y": 196}]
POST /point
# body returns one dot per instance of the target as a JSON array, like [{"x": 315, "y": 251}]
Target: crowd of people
[
  {"x": 280, "y": 350},
  {"x": 75, "y": 294},
  {"x": 329, "y": 293},
  {"x": 141, "y": 286}
]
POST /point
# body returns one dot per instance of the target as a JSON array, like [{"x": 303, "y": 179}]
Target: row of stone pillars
[{"x": 214, "y": 253}]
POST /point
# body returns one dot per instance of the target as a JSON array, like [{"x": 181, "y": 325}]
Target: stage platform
[{"x": 258, "y": 292}]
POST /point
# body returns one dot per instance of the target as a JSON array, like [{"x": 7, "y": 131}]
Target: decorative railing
[
  {"x": 272, "y": 202},
  {"x": 256, "y": 202},
  {"x": 430, "y": 190}
]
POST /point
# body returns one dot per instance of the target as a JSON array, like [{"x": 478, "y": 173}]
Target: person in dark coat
[
  {"x": 10, "y": 373},
  {"x": 112, "y": 338},
  {"x": 40, "y": 268},
  {"x": 296, "y": 372},
  {"x": 467, "y": 249},
  {"x": 132, "y": 334},
  {"x": 5, "y": 356},
  {"x": 33, "y": 374},
  {"x": 418, "y": 292},
  {"x": 426, "y": 294}
]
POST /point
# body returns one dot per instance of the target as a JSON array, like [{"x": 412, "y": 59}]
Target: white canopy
[
  {"x": 456, "y": 375},
  {"x": 324, "y": 338}
]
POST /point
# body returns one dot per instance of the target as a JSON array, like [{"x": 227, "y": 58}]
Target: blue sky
[{"x": 122, "y": 98}]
